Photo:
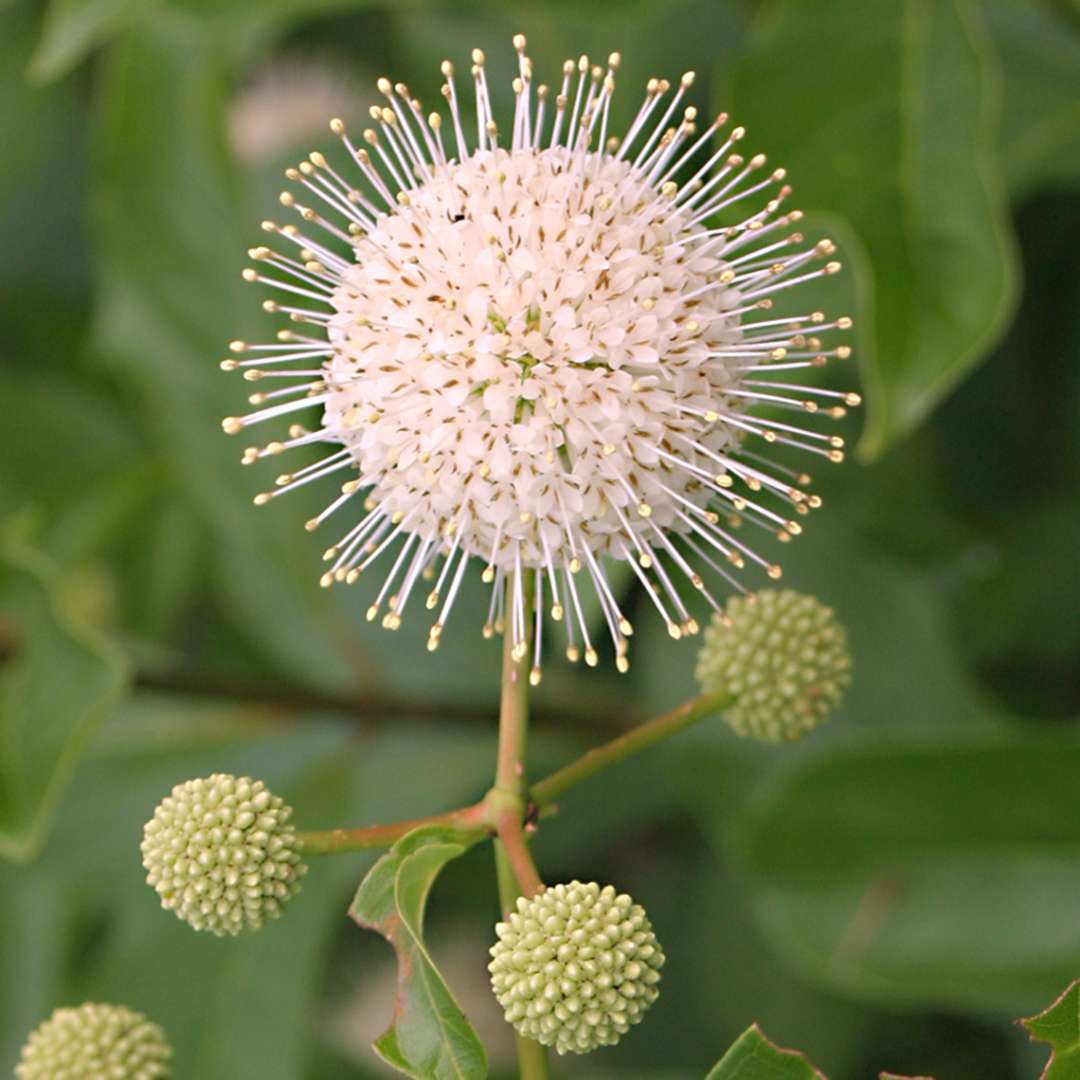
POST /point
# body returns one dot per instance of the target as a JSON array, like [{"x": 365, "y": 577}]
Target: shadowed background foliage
[{"x": 889, "y": 894}]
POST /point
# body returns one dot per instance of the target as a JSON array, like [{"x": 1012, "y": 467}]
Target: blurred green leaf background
[{"x": 888, "y": 895}]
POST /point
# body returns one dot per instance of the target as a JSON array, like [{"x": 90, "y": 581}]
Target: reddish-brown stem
[
  {"x": 517, "y": 873},
  {"x": 476, "y": 818},
  {"x": 513, "y": 720},
  {"x": 502, "y": 810},
  {"x": 512, "y": 837},
  {"x": 509, "y": 795}
]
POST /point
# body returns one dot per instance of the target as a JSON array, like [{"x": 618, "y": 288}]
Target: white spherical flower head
[
  {"x": 517, "y": 395},
  {"x": 221, "y": 854},
  {"x": 92, "y": 1042},
  {"x": 575, "y": 966},
  {"x": 783, "y": 656},
  {"x": 543, "y": 347}
]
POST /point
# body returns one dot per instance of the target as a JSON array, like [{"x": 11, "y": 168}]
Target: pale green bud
[
  {"x": 93, "y": 1042},
  {"x": 575, "y": 966},
  {"x": 784, "y": 658},
  {"x": 221, "y": 854}
]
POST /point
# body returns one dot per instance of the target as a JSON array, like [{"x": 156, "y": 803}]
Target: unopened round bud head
[
  {"x": 95, "y": 1042},
  {"x": 784, "y": 658},
  {"x": 575, "y": 966},
  {"x": 222, "y": 855}
]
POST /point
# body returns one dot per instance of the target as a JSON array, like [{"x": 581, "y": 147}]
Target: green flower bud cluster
[
  {"x": 95, "y": 1042},
  {"x": 784, "y": 658},
  {"x": 221, "y": 854},
  {"x": 575, "y": 966}
]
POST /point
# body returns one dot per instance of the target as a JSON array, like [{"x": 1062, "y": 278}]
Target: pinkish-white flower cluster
[{"x": 544, "y": 352}]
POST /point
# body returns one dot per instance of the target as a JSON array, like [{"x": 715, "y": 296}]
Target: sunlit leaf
[{"x": 429, "y": 1037}]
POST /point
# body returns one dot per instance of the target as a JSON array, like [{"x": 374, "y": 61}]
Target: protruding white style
[{"x": 543, "y": 347}]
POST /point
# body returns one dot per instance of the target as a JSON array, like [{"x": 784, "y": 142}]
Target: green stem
[
  {"x": 507, "y": 879},
  {"x": 546, "y": 791},
  {"x": 476, "y": 818},
  {"x": 515, "y": 849},
  {"x": 516, "y": 871},
  {"x": 532, "y": 1057},
  {"x": 502, "y": 810},
  {"x": 513, "y": 716},
  {"x": 509, "y": 797}
]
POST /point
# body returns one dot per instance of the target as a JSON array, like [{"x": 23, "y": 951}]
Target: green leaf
[
  {"x": 1040, "y": 62},
  {"x": 896, "y": 623},
  {"x": 247, "y": 1015},
  {"x": 85, "y": 425},
  {"x": 43, "y": 297},
  {"x": 58, "y": 685},
  {"x": 429, "y": 1037},
  {"x": 32, "y": 116},
  {"x": 925, "y": 870},
  {"x": 71, "y": 29},
  {"x": 266, "y": 10},
  {"x": 653, "y": 39},
  {"x": 75, "y": 927},
  {"x": 753, "y": 1057},
  {"x": 171, "y": 249},
  {"x": 892, "y": 128},
  {"x": 1059, "y": 1025}
]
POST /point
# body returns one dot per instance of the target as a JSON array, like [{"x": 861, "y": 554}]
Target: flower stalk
[
  {"x": 532, "y": 1057},
  {"x": 544, "y": 793},
  {"x": 516, "y": 872},
  {"x": 475, "y": 819},
  {"x": 502, "y": 811},
  {"x": 509, "y": 797}
]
